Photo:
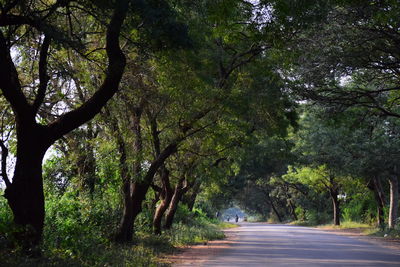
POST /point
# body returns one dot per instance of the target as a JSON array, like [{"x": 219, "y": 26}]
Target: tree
[
  {"x": 321, "y": 180},
  {"x": 352, "y": 144},
  {"x": 25, "y": 192}
]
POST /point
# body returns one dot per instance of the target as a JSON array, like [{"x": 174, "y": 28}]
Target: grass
[
  {"x": 302, "y": 223},
  {"x": 347, "y": 225},
  {"x": 226, "y": 225},
  {"x": 182, "y": 235},
  {"x": 386, "y": 233}
]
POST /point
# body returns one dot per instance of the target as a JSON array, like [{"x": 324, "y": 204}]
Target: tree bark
[
  {"x": 394, "y": 201},
  {"x": 336, "y": 208},
  {"x": 293, "y": 210},
  {"x": 125, "y": 230},
  {"x": 25, "y": 193},
  {"x": 173, "y": 206},
  {"x": 166, "y": 197},
  {"x": 132, "y": 198},
  {"x": 375, "y": 186}
]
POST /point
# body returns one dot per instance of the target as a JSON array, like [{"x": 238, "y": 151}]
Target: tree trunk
[
  {"x": 190, "y": 199},
  {"x": 139, "y": 192},
  {"x": 125, "y": 230},
  {"x": 166, "y": 197},
  {"x": 25, "y": 193},
  {"x": 293, "y": 210},
  {"x": 270, "y": 201},
  {"x": 380, "y": 215},
  {"x": 394, "y": 201},
  {"x": 375, "y": 186},
  {"x": 336, "y": 209},
  {"x": 132, "y": 208},
  {"x": 173, "y": 206},
  {"x": 132, "y": 198}
]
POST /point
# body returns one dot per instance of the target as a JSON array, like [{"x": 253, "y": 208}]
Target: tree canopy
[{"x": 126, "y": 118}]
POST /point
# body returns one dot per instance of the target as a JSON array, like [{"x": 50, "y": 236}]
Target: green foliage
[
  {"x": 7, "y": 228},
  {"x": 79, "y": 232},
  {"x": 193, "y": 228},
  {"x": 361, "y": 207}
]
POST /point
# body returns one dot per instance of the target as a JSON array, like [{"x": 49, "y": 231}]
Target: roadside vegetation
[{"x": 82, "y": 236}]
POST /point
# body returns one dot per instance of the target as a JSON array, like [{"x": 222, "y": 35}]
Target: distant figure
[
  {"x": 217, "y": 214},
  {"x": 236, "y": 218},
  {"x": 228, "y": 218}
]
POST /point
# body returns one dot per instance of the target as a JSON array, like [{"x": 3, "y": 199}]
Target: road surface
[{"x": 256, "y": 244}]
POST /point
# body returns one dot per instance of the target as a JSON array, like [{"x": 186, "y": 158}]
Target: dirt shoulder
[{"x": 358, "y": 233}]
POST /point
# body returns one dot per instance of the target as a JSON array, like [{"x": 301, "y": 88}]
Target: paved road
[{"x": 282, "y": 245}]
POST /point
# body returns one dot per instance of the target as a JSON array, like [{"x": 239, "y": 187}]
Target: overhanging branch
[{"x": 4, "y": 155}]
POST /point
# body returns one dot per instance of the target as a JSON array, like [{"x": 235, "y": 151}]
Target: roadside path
[{"x": 257, "y": 244}]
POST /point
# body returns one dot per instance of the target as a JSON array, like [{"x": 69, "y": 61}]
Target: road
[{"x": 282, "y": 245}]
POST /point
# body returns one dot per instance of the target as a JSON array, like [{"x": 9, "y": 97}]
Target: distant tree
[
  {"x": 353, "y": 144},
  {"x": 320, "y": 179}
]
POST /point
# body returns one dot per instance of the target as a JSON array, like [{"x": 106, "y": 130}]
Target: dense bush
[{"x": 79, "y": 229}]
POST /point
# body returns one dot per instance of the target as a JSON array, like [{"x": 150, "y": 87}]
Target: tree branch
[
  {"x": 116, "y": 66},
  {"x": 43, "y": 77},
  {"x": 4, "y": 155},
  {"x": 9, "y": 82}
]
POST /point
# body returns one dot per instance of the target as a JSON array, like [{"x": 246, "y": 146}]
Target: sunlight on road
[{"x": 282, "y": 245}]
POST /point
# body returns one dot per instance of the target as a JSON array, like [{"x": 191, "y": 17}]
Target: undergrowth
[{"x": 79, "y": 233}]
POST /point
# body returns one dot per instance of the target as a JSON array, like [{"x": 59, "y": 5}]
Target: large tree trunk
[
  {"x": 173, "y": 206},
  {"x": 25, "y": 193},
  {"x": 394, "y": 201},
  {"x": 132, "y": 208},
  {"x": 129, "y": 189},
  {"x": 139, "y": 192},
  {"x": 125, "y": 230},
  {"x": 166, "y": 197},
  {"x": 336, "y": 208}
]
